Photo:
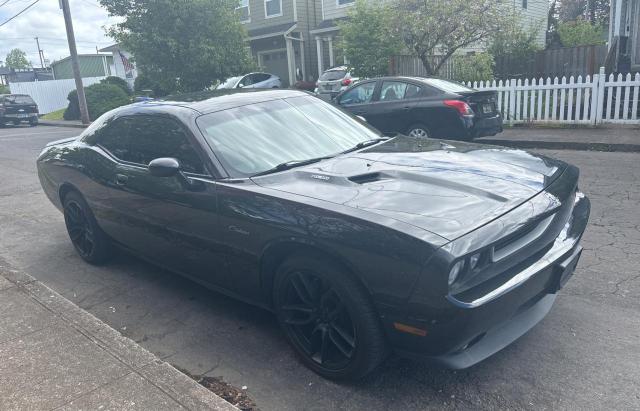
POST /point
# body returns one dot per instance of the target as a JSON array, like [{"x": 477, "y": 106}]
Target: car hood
[{"x": 446, "y": 187}]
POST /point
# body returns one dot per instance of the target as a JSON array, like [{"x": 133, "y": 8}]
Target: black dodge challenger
[{"x": 359, "y": 243}]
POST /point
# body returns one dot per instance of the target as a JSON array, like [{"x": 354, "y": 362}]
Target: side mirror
[
  {"x": 240, "y": 85},
  {"x": 164, "y": 167}
]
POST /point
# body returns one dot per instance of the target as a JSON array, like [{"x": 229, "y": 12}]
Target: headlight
[{"x": 455, "y": 271}]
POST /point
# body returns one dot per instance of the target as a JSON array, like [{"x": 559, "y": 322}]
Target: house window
[
  {"x": 243, "y": 11},
  {"x": 524, "y": 4},
  {"x": 272, "y": 8},
  {"x": 345, "y": 2}
]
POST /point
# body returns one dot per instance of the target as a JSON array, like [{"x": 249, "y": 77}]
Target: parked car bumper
[
  {"x": 28, "y": 117},
  {"x": 465, "y": 333},
  {"x": 488, "y": 126}
]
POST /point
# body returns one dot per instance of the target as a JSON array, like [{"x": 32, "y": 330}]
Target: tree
[
  {"x": 595, "y": 12},
  {"x": 182, "y": 45},
  {"x": 580, "y": 33},
  {"x": 514, "y": 49},
  {"x": 17, "y": 59},
  {"x": 433, "y": 30},
  {"x": 368, "y": 38}
]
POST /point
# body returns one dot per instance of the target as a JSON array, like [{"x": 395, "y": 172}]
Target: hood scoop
[{"x": 367, "y": 178}]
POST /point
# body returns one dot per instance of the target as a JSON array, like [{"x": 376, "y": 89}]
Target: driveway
[{"x": 584, "y": 355}]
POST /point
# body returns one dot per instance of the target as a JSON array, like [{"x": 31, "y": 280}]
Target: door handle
[
  {"x": 406, "y": 108},
  {"x": 121, "y": 179}
]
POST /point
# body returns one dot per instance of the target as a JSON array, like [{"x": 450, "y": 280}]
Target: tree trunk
[{"x": 428, "y": 67}]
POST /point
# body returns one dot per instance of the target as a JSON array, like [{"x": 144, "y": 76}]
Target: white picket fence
[
  {"x": 593, "y": 100},
  {"x": 50, "y": 95}
]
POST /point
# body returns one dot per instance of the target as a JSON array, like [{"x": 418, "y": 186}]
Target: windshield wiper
[
  {"x": 291, "y": 164},
  {"x": 366, "y": 143}
]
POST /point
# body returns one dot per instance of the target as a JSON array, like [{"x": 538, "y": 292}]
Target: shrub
[
  {"x": 581, "y": 33},
  {"x": 4, "y": 89},
  {"x": 117, "y": 81},
  {"x": 144, "y": 82},
  {"x": 100, "y": 99},
  {"x": 473, "y": 67}
]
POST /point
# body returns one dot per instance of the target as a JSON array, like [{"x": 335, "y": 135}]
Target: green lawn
[{"x": 54, "y": 115}]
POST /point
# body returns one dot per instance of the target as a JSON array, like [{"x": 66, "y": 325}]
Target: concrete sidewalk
[
  {"x": 618, "y": 138},
  {"x": 54, "y": 355},
  {"x": 62, "y": 123}
]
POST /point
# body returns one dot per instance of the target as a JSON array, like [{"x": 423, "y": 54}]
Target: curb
[
  {"x": 60, "y": 124},
  {"x": 563, "y": 145},
  {"x": 161, "y": 374}
]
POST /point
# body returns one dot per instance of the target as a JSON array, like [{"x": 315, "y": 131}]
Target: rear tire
[
  {"x": 328, "y": 318},
  {"x": 33, "y": 123},
  {"x": 418, "y": 131},
  {"x": 91, "y": 243}
]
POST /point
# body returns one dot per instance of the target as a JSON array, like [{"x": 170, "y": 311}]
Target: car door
[
  {"x": 357, "y": 100},
  {"x": 164, "y": 218},
  {"x": 261, "y": 80}
]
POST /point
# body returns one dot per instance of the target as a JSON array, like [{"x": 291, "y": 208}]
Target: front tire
[
  {"x": 418, "y": 131},
  {"x": 91, "y": 243},
  {"x": 328, "y": 318}
]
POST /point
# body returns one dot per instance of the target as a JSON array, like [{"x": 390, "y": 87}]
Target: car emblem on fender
[{"x": 319, "y": 177}]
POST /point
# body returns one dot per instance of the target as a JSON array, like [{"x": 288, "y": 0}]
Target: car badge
[
  {"x": 320, "y": 177},
  {"x": 447, "y": 146}
]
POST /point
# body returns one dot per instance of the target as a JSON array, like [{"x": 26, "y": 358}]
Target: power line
[
  {"x": 19, "y": 13},
  {"x": 7, "y": 1}
]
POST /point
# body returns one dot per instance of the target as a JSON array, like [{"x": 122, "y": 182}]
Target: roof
[
  {"x": 271, "y": 30},
  {"x": 211, "y": 101},
  {"x": 110, "y": 48}
]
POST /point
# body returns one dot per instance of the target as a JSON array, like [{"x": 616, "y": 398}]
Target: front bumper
[{"x": 467, "y": 332}]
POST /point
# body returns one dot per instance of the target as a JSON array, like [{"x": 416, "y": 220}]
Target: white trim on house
[
  {"x": 280, "y": 33},
  {"x": 342, "y": 6},
  {"x": 270, "y": 16},
  {"x": 325, "y": 30}
]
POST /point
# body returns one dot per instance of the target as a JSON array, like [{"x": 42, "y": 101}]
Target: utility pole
[
  {"x": 82, "y": 102},
  {"x": 40, "y": 53}
]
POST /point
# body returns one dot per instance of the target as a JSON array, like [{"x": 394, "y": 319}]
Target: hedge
[
  {"x": 100, "y": 98},
  {"x": 117, "y": 81}
]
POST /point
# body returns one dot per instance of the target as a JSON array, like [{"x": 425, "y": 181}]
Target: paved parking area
[{"x": 584, "y": 355}]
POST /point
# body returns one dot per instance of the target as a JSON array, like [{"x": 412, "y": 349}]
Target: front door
[
  {"x": 358, "y": 100},
  {"x": 163, "y": 218}
]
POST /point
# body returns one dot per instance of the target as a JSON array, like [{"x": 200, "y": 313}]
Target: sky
[{"x": 45, "y": 21}]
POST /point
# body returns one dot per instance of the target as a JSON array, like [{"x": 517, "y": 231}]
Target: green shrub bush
[
  {"x": 4, "y": 89},
  {"x": 117, "y": 81},
  {"x": 144, "y": 82},
  {"x": 100, "y": 99}
]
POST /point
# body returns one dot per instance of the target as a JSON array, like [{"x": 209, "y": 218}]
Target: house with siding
[
  {"x": 280, "y": 38},
  {"x": 624, "y": 36},
  {"x": 91, "y": 65}
]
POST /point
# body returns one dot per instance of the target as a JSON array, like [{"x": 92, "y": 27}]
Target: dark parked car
[
  {"x": 16, "y": 108},
  {"x": 361, "y": 244},
  {"x": 423, "y": 107}
]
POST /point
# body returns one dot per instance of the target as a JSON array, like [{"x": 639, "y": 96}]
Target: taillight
[
  {"x": 346, "y": 82},
  {"x": 462, "y": 107}
]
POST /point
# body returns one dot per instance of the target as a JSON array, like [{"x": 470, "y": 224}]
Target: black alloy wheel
[
  {"x": 90, "y": 242},
  {"x": 328, "y": 318}
]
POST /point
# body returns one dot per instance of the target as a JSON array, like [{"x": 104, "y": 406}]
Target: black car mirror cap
[{"x": 164, "y": 167}]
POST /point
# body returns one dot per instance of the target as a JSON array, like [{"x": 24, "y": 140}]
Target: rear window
[
  {"x": 333, "y": 75},
  {"x": 17, "y": 99},
  {"x": 447, "y": 86}
]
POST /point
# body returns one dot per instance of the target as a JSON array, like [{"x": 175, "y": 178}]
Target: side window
[
  {"x": 392, "y": 90},
  {"x": 155, "y": 137},
  {"x": 359, "y": 95},
  {"x": 412, "y": 91},
  {"x": 115, "y": 138},
  {"x": 261, "y": 77},
  {"x": 246, "y": 81}
]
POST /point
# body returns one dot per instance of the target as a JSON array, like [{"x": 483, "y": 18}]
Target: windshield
[
  {"x": 333, "y": 75},
  {"x": 229, "y": 83},
  {"x": 18, "y": 99},
  {"x": 255, "y": 138},
  {"x": 447, "y": 86}
]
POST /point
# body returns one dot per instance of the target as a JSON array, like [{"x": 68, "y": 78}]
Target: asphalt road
[{"x": 584, "y": 355}]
